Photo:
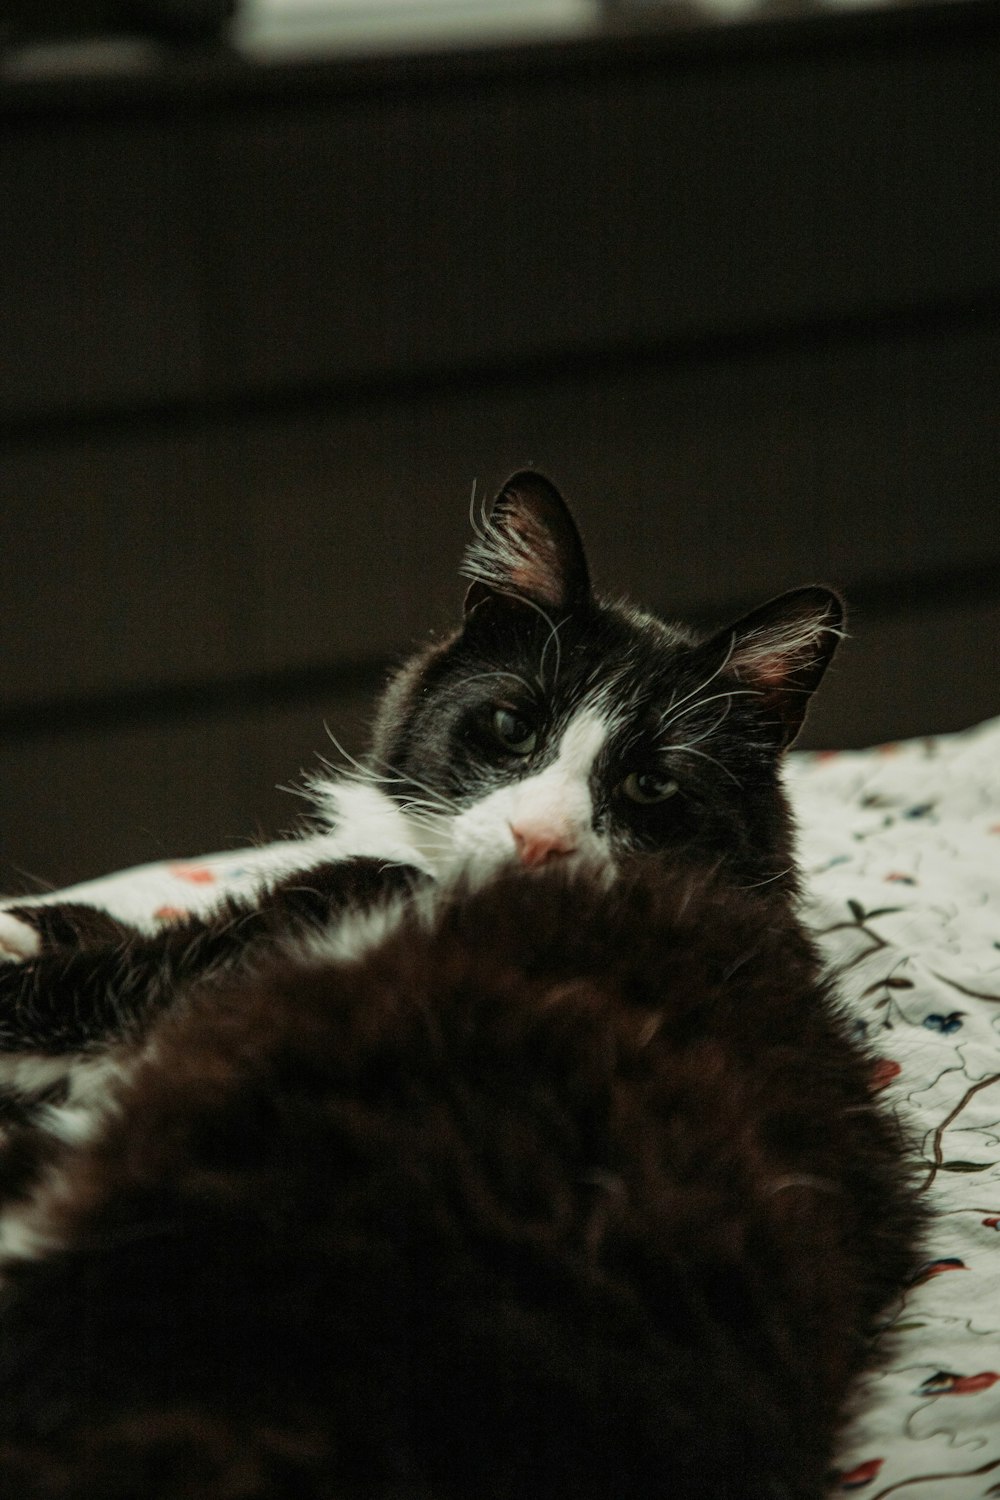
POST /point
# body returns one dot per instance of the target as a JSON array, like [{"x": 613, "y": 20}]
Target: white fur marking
[
  {"x": 28, "y": 1073},
  {"x": 29, "y": 1229},
  {"x": 367, "y": 823},
  {"x": 18, "y": 941},
  {"x": 351, "y": 938},
  {"x": 553, "y": 805}
]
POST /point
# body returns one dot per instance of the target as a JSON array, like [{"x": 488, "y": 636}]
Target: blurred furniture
[{"x": 264, "y": 321}]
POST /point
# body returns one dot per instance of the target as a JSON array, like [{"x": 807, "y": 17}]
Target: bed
[{"x": 900, "y": 848}]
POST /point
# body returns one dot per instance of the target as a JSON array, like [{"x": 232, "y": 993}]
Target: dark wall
[{"x": 736, "y": 290}]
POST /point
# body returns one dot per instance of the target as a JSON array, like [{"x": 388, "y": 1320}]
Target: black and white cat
[
  {"x": 512, "y": 1145},
  {"x": 552, "y": 726}
]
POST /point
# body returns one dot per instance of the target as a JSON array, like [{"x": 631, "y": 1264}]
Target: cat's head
[{"x": 555, "y": 726}]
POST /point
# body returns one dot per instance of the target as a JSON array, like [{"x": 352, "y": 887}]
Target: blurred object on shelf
[{"x": 265, "y": 27}]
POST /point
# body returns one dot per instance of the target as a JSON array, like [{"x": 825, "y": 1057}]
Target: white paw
[{"x": 18, "y": 941}]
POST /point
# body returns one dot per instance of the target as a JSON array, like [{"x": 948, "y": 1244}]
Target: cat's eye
[
  {"x": 647, "y": 787},
  {"x": 515, "y": 733}
]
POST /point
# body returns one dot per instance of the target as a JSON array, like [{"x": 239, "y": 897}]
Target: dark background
[{"x": 736, "y": 289}]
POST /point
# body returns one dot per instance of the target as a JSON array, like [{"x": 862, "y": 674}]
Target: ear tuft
[
  {"x": 782, "y": 650},
  {"x": 528, "y": 548}
]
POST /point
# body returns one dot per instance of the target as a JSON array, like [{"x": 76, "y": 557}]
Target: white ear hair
[
  {"x": 782, "y": 650},
  {"x": 769, "y": 654},
  {"x": 527, "y": 548}
]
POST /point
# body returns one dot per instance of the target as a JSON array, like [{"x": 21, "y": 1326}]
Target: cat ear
[
  {"x": 528, "y": 548},
  {"x": 782, "y": 650}
]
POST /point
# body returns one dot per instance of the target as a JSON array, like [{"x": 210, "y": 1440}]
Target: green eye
[
  {"x": 646, "y": 787},
  {"x": 514, "y": 733}
]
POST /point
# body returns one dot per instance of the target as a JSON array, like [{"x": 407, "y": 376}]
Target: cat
[
  {"x": 551, "y": 725},
  {"x": 515, "y": 1145}
]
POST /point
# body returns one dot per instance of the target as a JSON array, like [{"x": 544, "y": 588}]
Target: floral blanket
[{"x": 900, "y": 846}]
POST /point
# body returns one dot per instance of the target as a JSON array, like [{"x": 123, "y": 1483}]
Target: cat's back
[{"x": 552, "y": 1186}]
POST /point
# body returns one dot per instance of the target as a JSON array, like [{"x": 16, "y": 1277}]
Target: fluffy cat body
[{"x": 513, "y": 1145}]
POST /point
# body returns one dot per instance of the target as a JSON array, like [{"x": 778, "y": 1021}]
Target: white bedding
[{"x": 900, "y": 846}]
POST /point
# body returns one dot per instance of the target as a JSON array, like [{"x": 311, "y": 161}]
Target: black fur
[
  {"x": 568, "y": 1186},
  {"x": 570, "y": 1192}
]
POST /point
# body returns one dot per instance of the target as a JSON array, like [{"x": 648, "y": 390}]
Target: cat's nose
[{"x": 537, "y": 844}]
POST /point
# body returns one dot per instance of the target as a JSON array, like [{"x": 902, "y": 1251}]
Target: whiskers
[
  {"x": 530, "y": 688},
  {"x": 694, "y": 702},
  {"x": 670, "y": 718},
  {"x": 552, "y": 642},
  {"x": 355, "y": 770},
  {"x": 478, "y": 514},
  {"x": 703, "y": 685},
  {"x": 685, "y": 748},
  {"x": 429, "y": 810},
  {"x": 770, "y": 879}
]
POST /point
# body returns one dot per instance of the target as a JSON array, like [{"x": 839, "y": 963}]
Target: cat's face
[{"x": 555, "y": 727}]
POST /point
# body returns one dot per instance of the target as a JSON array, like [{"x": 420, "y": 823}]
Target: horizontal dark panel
[
  {"x": 363, "y": 240},
  {"x": 76, "y": 806},
  {"x": 234, "y": 549},
  {"x": 948, "y": 320},
  {"x": 527, "y": 215},
  {"x": 198, "y": 699},
  {"x": 975, "y": 586},
  {"x": 100, "y": 295}
]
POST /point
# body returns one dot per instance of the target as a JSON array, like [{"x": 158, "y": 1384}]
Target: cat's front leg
[
  {"x": 93, "y": 980},
  {"x": 68, "y": 985}
]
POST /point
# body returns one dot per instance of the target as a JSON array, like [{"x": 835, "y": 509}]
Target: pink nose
[{"x": 536, "y": 845}]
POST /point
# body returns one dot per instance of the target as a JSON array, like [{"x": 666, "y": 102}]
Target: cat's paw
[{"x": 18, "y": 941}]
